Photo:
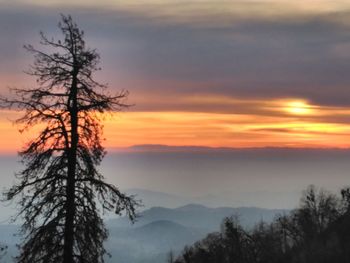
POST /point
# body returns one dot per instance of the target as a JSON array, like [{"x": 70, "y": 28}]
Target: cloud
[{"x": 281, "y": 50}]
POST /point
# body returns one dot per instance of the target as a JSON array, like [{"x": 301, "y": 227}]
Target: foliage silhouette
[
  {"x": 60, "y": 190},
  {"x": 318, "y": 231}
]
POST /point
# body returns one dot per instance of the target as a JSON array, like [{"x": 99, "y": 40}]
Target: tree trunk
[{"x": 68, "y": 255}]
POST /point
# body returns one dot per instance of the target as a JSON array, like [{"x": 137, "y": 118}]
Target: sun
[{"x": 298, "y": 108}]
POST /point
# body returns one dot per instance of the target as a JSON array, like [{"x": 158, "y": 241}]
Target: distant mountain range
[
  {"x": 160, "y": 199},
  {"x": 199, "y": 216},
  {"x": 159, "y": 230},
  {"x": 182, "y": 148}
]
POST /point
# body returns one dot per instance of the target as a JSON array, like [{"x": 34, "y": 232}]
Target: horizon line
[
  {"x": 199, "y": 148},
  {"x": 167, "y": 147}
]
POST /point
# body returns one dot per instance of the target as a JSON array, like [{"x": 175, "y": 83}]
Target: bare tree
[
  {"x": 170, "y": 257},
  {"x": 60, "y": 190}
]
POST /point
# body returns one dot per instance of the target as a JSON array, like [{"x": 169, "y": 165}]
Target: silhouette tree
[
  {"x": 317, "y": 231},
  {"x": 60, "y": 190},
  {"x": 170, "y": 257}
]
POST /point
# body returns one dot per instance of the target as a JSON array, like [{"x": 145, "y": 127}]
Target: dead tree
[{"x": 60, "y": 191}]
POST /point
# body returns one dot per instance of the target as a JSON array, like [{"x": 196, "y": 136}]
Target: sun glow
[
  {"x": 251, "y": 123},
  {"x": 299, "y": 108}
]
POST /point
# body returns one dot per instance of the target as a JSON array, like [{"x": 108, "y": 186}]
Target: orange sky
[
  {"x": 283, "y": 123},
  {"x": 269, "y": 73}
]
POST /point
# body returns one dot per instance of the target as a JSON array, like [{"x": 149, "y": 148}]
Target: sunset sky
[{"x": 220, "y": 73}]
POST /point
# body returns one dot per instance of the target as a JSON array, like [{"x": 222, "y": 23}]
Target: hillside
[
  {"x": 199, "y": 216},
  {"x": 159, "y": 230}
]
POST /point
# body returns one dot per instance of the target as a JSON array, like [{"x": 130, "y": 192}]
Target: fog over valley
[{"x": 175, "y": 176}]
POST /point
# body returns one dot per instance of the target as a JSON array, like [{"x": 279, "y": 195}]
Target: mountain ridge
[
  {"x": 159, "y": 230},
  {"x": 199, "y": 148},
  {"x": 197, "y": 215}
]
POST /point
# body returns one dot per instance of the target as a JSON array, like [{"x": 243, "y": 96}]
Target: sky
[
  {"x": 249, "y": 73},
  {"x": 212, "y": 73}
]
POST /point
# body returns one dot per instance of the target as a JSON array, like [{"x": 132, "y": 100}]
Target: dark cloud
[{"x": 248, "y": 57}]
